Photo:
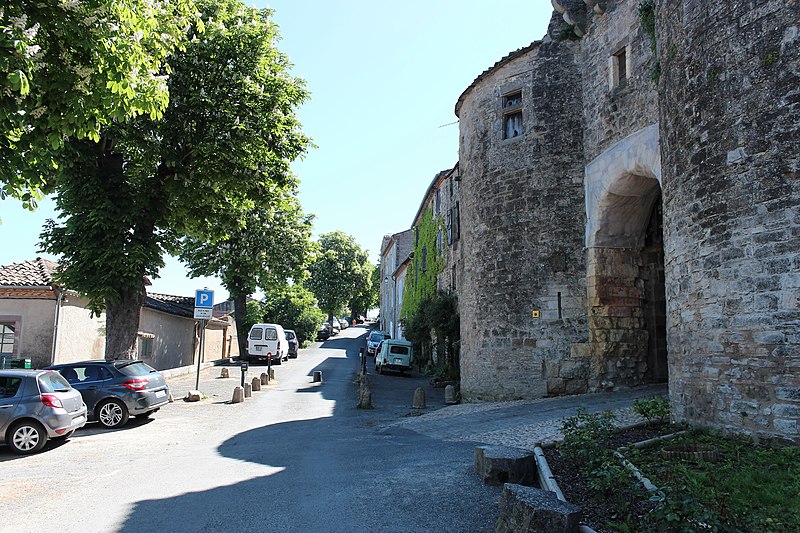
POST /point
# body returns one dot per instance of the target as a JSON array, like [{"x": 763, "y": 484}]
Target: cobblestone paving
[{"x": 525, "y": 423}]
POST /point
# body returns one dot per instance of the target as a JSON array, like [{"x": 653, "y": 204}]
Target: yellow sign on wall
[{"x": 535, "y": 313}]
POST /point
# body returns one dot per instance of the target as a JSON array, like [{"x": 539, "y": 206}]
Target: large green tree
[
  {"x": 294, "y": 307},
  {"x": 270, "y": 245},
  {"x": 337, "y": 274},
  {"x": 225, "y": 141},
  {"x": 368, "y": 290},
  {"x": 69, "y": 69}
]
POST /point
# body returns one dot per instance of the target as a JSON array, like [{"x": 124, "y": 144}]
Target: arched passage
[{"x": 625, "y": 259}]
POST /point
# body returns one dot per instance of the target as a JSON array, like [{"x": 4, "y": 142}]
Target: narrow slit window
[
  {"x": 512, "y": 115},
  {"x": 619, "y": 68}
]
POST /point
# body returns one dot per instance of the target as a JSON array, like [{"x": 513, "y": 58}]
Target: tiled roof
[
  {"x": 35, "y": 273},
  {"x": 173, "y": 305}
]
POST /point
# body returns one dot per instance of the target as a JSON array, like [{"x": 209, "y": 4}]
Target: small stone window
[
  {"x": 512, "y": 115},
  {"x": 620, "y": 68},
  {"x": 146, "y": 345}
]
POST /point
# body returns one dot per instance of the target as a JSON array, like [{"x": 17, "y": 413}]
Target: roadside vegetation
[{"x": 713, "y": 483}]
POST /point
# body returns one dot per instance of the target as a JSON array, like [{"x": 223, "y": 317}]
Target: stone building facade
[{"x": 630, "y": 210}]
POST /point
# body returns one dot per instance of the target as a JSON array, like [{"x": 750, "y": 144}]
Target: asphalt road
[{"x": 297, "y": 457}]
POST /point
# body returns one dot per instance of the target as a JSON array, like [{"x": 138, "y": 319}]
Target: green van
[{"x": 395, "y": 354}]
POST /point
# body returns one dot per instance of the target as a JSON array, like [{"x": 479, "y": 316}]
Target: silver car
[{"x": 36, "y": 405}]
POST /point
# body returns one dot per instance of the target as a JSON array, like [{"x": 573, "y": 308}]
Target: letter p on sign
[{"x": 204, "y": 298}]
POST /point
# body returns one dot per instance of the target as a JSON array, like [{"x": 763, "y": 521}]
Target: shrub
[
  {"x": 587, "y": 439},
  {"x": 655, "y": 409}
]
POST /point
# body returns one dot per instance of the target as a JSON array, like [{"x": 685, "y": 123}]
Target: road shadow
[{"x": 337, "y": 473}]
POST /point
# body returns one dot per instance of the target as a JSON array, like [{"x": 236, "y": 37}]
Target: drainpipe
[{"x": 56, "y": 319}]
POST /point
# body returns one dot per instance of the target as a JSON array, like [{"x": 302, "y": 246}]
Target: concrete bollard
[
  {"x": 419, "y": 399},
  {"x": 317, "y": 376},
  {"x": 271, "y": 374},
  {"x": 238, "y": 395},
  {"x": 264, "y": 379},
  {"x": 256, "y": 384},
  {"x": 224, "y": 373},
  {"x": 248, "y": 390},
  {"x": 450, "y": 395}
]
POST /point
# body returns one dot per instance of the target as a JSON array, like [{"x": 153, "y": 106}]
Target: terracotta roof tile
[{"x": 34, "y": 273}]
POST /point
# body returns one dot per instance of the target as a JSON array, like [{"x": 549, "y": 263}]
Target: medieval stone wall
[
  {"x": 523, "y": 300},
  {"x": 730, "y": 136}
]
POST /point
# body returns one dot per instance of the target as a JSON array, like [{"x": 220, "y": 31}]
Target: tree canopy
[
  {"x": 220, "y": 151},
  {"x": 338, "y": 273},
  {"x": 71, "y": 69}
]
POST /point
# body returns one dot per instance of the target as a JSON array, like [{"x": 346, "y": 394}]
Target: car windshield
[
  {"x": 289, "y": 335},
  {"x": 136, "y": 369},
  {"x": 376, "y": 337},
  {"x": 50, "y": 382}
]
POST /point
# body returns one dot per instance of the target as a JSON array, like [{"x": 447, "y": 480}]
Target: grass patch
[{"x": 751, "y": 488}]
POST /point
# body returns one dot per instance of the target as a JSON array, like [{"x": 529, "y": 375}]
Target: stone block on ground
[
  {"x": 264, "y": 378},
  {"x": 450, "y": 395},
  {"x": 248, "y": 390},
  {"x": 271, "y": 374},
  {"x": 364, "y": 394},
  {"x": 256, "y": 384},
  {"x": 317, "y": 376},
  {"x": 501, "y": 464},
  {"x": 418, "y": 402},
  {"x": 193, "y": 396},
  {"x": 224, "y": 373},
  {"x": 530, "y": 510},
  {"x": 238, "y": 395}
]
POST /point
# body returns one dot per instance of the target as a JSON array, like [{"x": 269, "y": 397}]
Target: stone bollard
[
  {"x": 271, "y": 374},
  {"x": 224, "y": 373},
  {"x": 317, "y": 376},
  {"x": 264, "y": 379},
  {"x": 256, "y": 384},
  {"x": 419, "y": 399},
  {"x": 450, "y": 395},
  {"x": 248, "y": 390},
  {"x": 365, "y": 394},
  {"x": 192, "y": 396},
  {"x": 238, "y": 395}
]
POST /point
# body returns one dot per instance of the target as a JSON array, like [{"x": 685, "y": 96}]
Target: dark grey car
[
  {"x": 36, "y": 405},
  {"x": 115, "y": 390}
]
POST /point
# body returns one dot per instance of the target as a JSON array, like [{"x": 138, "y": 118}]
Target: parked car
[
  {"x": 373, "y": 340},
  {"x": 323, "y": 332},
  {"x": 343, "y": 323},
  {"x": 294, "y": 344},
  {"x": 335, "y": 326},
  {"x": 267, "y": 341},
  {"x": 394, "y": 354},
  {"x": 115, "y": 390},
  {"x": 36, "y": 405}
]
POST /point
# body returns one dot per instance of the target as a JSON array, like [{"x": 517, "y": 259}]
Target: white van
[{"x": 267, "y": 341}]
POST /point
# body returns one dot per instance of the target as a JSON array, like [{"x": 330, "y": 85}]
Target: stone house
[
  {"x": 50, "y": 324},
  {"x": 631, "y": 204},
  {"x": 395, "y": 249}
]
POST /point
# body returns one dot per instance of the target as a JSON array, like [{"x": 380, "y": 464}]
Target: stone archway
[{"x": 625, "y": 260}]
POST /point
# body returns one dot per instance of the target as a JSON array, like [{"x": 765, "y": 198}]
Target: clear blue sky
[{"x": 384, "y": 78}]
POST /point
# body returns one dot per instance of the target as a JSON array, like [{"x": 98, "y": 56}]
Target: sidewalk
[
  {"x": 211, "y": 384},
  {"x": 525, "y": 423}
]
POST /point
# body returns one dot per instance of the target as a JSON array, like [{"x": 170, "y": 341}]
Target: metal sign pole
[{"x": 200, "y": 353}]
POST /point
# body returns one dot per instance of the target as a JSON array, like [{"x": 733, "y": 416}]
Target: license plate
[
  {"x": 258, "y": 348},
  {"x": 398, "y": 361},
  {"x": 161, "y": 394}
]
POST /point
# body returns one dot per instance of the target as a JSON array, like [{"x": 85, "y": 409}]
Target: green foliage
[
  {"x": 422, "y": 273},
  {"x": 655, "y": 409},
  {"x": 201, "y": 173},
  {"x": 72, "y": 69},
  {"x": 436, "y": 320},
  {"x": 753, "y": 488},
  {"x": 294, "y": 307},
  {"x": 770, "y": 59},
  {"x": 368, "y": 292},
  {"x": 254, "y": 314},
  {"x": 647, "y": 18},
  {"x": 339, "y": 272},
  {"x": 587, "y": 438}
]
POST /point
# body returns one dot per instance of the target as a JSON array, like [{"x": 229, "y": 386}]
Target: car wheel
[
  {"x": 65, "y": 436},
  {"x": 27, "y": 437},
  {"x": 112, "y": 413}
]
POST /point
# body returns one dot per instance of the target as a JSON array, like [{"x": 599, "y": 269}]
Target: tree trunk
[
  {"x": 122, "y": 323},
  {"x": 239, "y": 311}
]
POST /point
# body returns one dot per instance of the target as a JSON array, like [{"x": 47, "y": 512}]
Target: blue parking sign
[{"x": 204, "y": 298}]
